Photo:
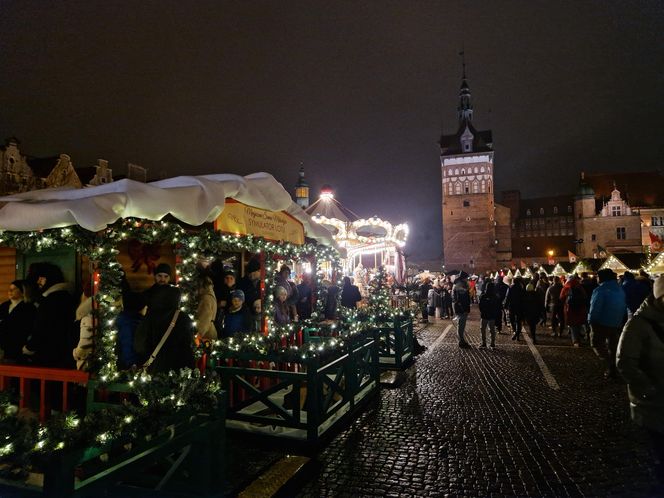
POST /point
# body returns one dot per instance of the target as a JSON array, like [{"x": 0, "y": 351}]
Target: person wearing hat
[
  {"x": 49, "y": 345},
  {"x": 177, "y": 350},
  {"x": 237, "y": 317},
  {"x": 162, "y": 277},
  {"x": 608, "y": 308},
  {"x": 640, "y": 360}
]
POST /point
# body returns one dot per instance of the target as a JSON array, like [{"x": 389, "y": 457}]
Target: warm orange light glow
[{"x": 550, "y": 252}]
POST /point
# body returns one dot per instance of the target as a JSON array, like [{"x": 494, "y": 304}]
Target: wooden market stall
[{"x": 120, "y": 231}]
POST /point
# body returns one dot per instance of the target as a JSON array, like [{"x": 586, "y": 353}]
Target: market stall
[{"x": 112, "y": 235}]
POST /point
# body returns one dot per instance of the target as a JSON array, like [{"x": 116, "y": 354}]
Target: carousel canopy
[{"x": 191, "y": 199}]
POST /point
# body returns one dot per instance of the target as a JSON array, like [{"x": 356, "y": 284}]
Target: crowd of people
[{"x": 620, "y": 317}]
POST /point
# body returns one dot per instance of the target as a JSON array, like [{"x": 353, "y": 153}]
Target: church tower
[
  {"x": 302, "y": 191},
  {"x": 466, "y": 157}
]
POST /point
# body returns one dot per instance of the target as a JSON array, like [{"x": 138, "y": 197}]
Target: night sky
[{"x": 356, "y": 91}]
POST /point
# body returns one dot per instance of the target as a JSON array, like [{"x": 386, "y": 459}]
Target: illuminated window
[
  {"x": 541, "y": 210},
  {"x": 476, "y": 187},
  {"x": 555, "y": 209},
  {"x": 528, "y": 212},
  {"x": 457, "y": 188}
]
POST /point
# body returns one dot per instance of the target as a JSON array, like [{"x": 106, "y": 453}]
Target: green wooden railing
[
  {"x": 303, "y": 399},
  {"x": 395, "y": 344}
]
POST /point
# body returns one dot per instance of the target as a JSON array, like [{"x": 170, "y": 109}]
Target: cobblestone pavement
[{"x": 486, "y": 423}]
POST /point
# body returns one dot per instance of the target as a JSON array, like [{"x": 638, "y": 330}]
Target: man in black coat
[
  {"x": 49, "y": 345},
  {"x": 514, "y": 302},
  {"x": 16, "y": 317}
]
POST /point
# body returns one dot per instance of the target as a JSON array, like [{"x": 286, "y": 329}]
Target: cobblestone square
[{"x": 479, "y": 422}]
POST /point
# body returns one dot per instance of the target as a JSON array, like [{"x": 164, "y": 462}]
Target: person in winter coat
[
  {"x": 177, "y": 351},
  {"x": 541, "y": 288},
  {"x": 574, "y": 301},
  {"x": 49, "y": 345},
  {"x": 305, "y": 298},
  {"x": 331, "y": 298},
  {"x": 461, "y": 303},
  {"x": 282, "y": 280},
  {"x": 127, "y": 321},
  {"x": 350, "y": 294},
  {"x": 489, "y": 311},
  {"x": 423, "y": 293},
  {"x": 83, "y": 349},
  {"x": 606, "y": 314},
  {"x": 532, "y": 310},
  {"x": 446, "y": 294},
  {"x": 639, "y": 360},
  {"x": 636, "y": 291},
  {"x": 249, "y": 284},
  {"x": 207, "y": 308},
  {"x": 555, "y": 307},
  {"x": 501, "y": 292},
  {"x": 281, "y": 316},
  {"x": 514, "y": 304},
  {"x": 237, "y": 318},
  {"x": 16, "y": 316}
]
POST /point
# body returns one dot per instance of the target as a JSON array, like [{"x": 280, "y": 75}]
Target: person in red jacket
[{"x": 575, "y": 300}]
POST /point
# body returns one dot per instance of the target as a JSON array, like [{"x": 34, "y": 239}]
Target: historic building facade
[{"x": 473, "y": 238}]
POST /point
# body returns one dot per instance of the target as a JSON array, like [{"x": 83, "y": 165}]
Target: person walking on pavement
[
  {"x": 576, "y": 312},
  {"x": 489, "y": 312},
  {"x": 501, "y": 291},
  {"x": 514, "y": 303},
  {"x": 606, "y": 314},
  {"x": 532, "y": 310},
  {"x": 423, "y": 293},
  {"x": 636, "y": 291},
  {"x": 639, "y": 360},
  {"x": 461, "y": 303},
  {"x": 555, "y": 305}
]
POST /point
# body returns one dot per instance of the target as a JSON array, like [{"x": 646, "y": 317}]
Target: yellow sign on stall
[{"x": 241, "y": 219}]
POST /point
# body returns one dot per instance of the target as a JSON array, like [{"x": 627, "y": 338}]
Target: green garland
[{"x": 160, "y": 399}]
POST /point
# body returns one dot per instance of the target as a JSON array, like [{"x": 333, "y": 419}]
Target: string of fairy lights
[{"x": 190, "y": 246}]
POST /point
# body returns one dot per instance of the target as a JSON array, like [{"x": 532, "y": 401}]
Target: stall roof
[{"x": 191, "y": 199}]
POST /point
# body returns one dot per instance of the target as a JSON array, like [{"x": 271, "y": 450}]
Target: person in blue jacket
[{"x": 606, "y": 317}]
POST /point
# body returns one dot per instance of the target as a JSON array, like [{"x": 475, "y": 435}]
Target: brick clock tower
[{"x": 469, "y": 227}]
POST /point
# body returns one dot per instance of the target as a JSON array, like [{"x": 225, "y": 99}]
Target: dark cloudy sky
[{"x": 357, "y": 91}]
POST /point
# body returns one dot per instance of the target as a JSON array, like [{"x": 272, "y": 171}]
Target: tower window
[
  {"x": 555, "y": 209},
  {"x": 466, "y": 188},
  {"x": 476, "y": 187},
  {"x": 466, "y": 204},
  {"x": 463, "y": 171},
  {"x": 615, "y": 211},
  {"x": 482, "y": 186},
  {"x": 593, "y": 237},
  {"x": 621, "y": 233},
  {"x": 457, "y": 188}
]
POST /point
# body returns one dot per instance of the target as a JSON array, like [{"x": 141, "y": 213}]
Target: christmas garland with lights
[{"x": 161, "y": 399}]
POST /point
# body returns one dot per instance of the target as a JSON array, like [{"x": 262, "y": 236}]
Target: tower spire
[{"x": 465, "y": 109}]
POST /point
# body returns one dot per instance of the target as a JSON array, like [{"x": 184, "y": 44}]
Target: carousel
[{"x": 369, "y": 243}]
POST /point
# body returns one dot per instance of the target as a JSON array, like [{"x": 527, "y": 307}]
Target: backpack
[{"x": 575, "y": 299}]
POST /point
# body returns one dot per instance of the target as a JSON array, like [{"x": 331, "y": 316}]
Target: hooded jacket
[
  {"x": 636, "y": 290},
  {"x": 607, "y": 305},
  {"x": 639, "y": 360},
  {"x": 574, "y": 316}
]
